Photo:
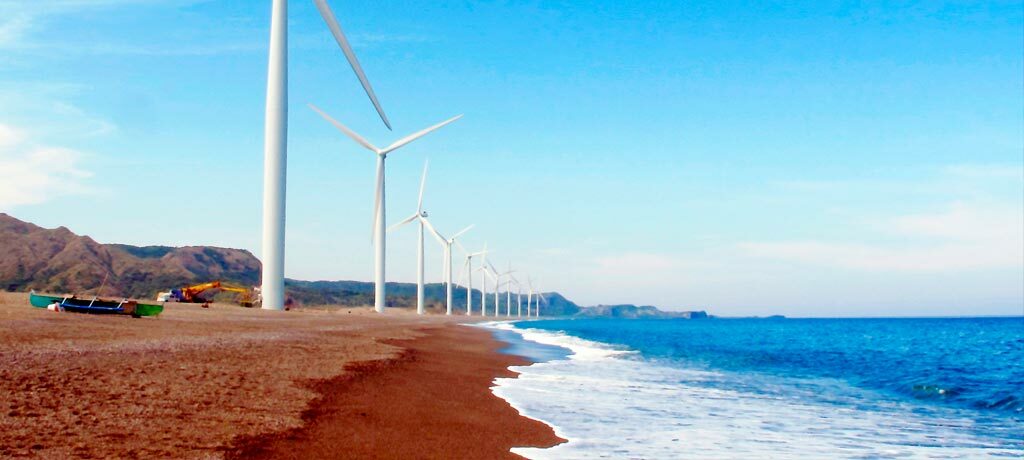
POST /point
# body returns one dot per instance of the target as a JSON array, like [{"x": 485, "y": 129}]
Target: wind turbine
[
  {"x": 467, "y": 269},
  {"x": 379, "y": 225},
  {"x": 483, "y": 288},
  {"x": 275, "y": 145},
  {"x": 540, "y": 298},
  {"x": 421, "y": 216},
  {"x": 529, "y": 295},
  {"x": 497, "y": 286},
  {"x": 447, "y": 244},
  {"x": 519, "y": 294}
]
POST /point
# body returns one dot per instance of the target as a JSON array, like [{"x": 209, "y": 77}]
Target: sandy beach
[{"x": 229, "y": 382}]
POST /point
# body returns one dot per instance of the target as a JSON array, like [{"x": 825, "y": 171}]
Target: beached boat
[{"x": 95, "y": 305}]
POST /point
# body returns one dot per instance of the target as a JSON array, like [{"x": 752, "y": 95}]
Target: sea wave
[{"x": 611, "y": 402}]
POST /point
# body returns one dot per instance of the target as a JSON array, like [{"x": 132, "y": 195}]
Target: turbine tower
[
  {"x": 275, "y": 160},
  {"x": 275, "y": 144},
  {"x": 379, "y": 221}
]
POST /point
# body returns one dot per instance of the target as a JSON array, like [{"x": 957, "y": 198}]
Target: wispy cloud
[
  {"x": 962, "y": 237},
  {"x": 987, "y": 171},
  {"x": 21, "y": 19},
  {"x": 32, "y": 173}
]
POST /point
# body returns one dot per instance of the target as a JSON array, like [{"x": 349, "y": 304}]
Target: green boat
[{"x": 95, "y": 305}]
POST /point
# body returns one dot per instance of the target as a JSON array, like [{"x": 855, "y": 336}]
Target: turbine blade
[
  {"x": 423, "y": 184},
  {"x": 402, "y": 223},
  {"x": 462, "y": 273},
  {"x": 433, "y": 231},
  {"x": 462, "y": 248},
  {"x": 339, "y": 36},
  {"x": 463, "y": 231},
  {"x": 444, "y": 265},
  {"x": 407, "y": 139},
  {"x": 377, "y": 198},
  {"x": 348, "y": 132}
]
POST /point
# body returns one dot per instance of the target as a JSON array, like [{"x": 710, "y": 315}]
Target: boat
[{"x": 95, "y": 305}]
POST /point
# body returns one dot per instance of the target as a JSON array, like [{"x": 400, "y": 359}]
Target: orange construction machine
[{"x": 202, "y": 293}]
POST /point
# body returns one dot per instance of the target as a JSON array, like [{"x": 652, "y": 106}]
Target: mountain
[{"x": 57, "y": 260}]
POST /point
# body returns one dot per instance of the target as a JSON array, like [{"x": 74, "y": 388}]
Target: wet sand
[{"x": 233, "y": 382}]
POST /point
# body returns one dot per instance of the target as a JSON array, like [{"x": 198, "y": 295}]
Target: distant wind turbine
[
  {"x": 483, "y": 287},
  {"x": 446, "y": 246},
  {"x": 519, "y": 297},
  {"x": 421, "y": 216},
  {"x": 540, "y": 298},
  {"x": 379, "y": 225},
  {"x": 447, "y": 263},
  {"x": 467, "y": 270},
  {"x": 497, "y": 287}
]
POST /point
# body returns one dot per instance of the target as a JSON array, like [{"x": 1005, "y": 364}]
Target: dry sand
[{"x": 235, "y": 382}]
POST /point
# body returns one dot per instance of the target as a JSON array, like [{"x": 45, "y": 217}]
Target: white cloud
[
  {"x": 963, "y": 237},
  {"x": 987, "y": 171},
  {"x": 32, "y": 173},
  {"x": 19, "y": 18}
]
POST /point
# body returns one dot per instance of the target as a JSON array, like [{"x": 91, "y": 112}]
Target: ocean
[{"x": 771, "y": 388}]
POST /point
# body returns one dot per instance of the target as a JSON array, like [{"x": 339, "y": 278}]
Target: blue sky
[{"x": 808, "y": 159}]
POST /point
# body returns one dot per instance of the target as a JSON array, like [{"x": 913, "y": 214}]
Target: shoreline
[
  {"x": 433, "y": 400},
  {"x": 223, "y": 381}
]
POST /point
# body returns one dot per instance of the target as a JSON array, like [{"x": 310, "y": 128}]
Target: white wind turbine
[
  {"x": 497, "y": 287},
  {"x": 275, "y": 144},
  {"x": 519, "y": 296},
  {"x": 540, "y": 298},
  {"x": 446, "y": 246},
  {"x": 529, "y": 295},
  {"x": 379, "y": 225},
  {"x": 421, "y": 216},
  {"x": 446, "y": 243},
  {"x": 483, "y": 287},
  {"x": 529, "y": 299},
  {"x": 467, "y": 270}
]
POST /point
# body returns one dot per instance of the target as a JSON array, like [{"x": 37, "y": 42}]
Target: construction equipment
[{"x": 202, "y": 293}]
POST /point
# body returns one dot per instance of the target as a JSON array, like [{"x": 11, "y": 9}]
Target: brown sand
[{"x": 228, "y": 381}]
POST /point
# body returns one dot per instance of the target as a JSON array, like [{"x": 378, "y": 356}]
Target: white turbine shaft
[
  {"x": 379, "y": 240},
  {"x": 497, "y": 287},
  {"x": 420, "y": 301},
  {"x": 519, "y": 300},
  {"x": 469, "y": 286},
  {"x": 508, "y": 301},
  {"x": 483, "y": 294},
  {"x": 275, "y": 160},
  {"x": 448, "y": 279},
  {"x": 420, "y": 308}
]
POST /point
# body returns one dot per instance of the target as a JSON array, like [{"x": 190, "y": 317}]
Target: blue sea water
[{"x": 773, "y": 388}]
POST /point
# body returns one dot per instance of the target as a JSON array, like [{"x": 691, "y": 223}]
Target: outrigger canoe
[{"x": 95, "y": 305}]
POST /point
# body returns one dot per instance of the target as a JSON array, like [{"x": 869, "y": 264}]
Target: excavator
[{"x": 195, "y": 294}]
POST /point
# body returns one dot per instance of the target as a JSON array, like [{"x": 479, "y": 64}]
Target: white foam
[{"x": 608, "y": 403}]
